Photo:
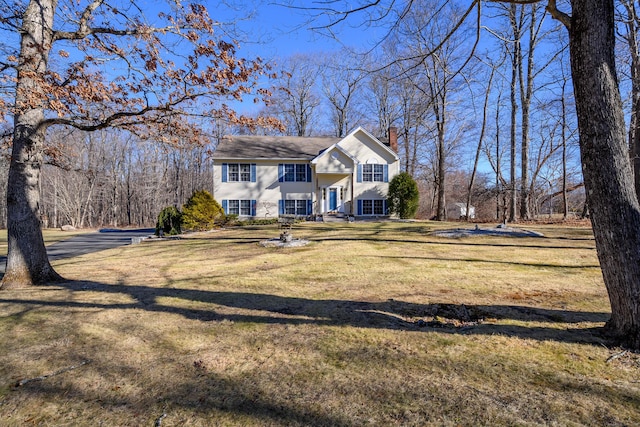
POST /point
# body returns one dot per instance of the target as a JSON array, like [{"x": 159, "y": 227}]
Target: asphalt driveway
[{"x": 81, "y": 244}]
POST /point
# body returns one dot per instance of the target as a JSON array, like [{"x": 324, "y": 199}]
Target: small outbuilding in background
[{"x": 459, "y": 210}]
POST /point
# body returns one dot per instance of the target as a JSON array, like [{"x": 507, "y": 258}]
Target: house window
[
  {"x": 238, "y": 172},
  {"x": 291, "y": 172},
  {"x": 234, "y": 207},
  {"x": 245, "y": 207},
  {"x": 372, "y": 207},
  {"x": 245, "y": 172},
  {"x": 239, "y": 207},
  {"x": 372, "y": 173},
  {"x": 301, "y": 173},
  {"x": 295, "y": 207}
]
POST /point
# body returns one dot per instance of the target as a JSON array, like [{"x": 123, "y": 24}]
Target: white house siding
[
  {"x": 365, "y": 149},
  {"x": 267, "y": 191},
  {"x": 334, "y": 161}
]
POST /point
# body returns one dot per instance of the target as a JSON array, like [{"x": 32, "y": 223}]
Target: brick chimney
[{"x": 393, "y": 138}]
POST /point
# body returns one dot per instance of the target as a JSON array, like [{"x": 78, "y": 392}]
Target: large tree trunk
[
  {"x": 615, "y": 212},
  {"x": 27, "y": 261}
]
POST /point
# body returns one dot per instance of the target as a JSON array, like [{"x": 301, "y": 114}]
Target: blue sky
[
  {"x": 284, "y": 31},
  {"x": 272, "y": 29}
]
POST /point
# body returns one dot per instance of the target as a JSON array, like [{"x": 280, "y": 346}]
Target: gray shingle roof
[{"x": 272, "y": 147}]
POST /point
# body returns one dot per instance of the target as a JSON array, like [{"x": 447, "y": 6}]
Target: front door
[{"x": 333, "y": 199}]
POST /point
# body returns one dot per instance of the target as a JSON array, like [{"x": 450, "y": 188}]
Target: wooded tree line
[{"x": 113, "y": 179}]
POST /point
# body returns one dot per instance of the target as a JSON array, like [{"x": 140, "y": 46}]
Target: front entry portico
[{"x": 333, "y": 172}]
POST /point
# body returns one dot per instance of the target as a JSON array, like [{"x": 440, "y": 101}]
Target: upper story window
[
  {"x": 238, "y": 172},
  {"x": 293, "y": 172},
  {"x": 372, "y": 173}
]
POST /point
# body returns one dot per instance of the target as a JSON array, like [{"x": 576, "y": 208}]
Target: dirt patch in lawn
[{"x": 500, "y": 230}]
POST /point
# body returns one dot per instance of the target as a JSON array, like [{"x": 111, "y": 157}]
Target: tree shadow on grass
[
  {"x": 443, "y": 241},
  {"x": 391, "y": 314},
  {"x": 484, "y": 261},
  {"x": 203, "y": 392}
]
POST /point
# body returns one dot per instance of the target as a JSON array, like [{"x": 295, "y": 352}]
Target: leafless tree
[
  {"x": 436, "y": 75},
  {"x": 481, "y": 136},
  {"x": 296, "y": 102},
  {"x": 341, "y": 80}
]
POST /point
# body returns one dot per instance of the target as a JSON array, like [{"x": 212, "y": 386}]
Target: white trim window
[
  {"x": 234, "y": 207},
  {"x": 372, "y": 207},
  {"x": 239, "y": 207},
  {"x": 295, "y": 207},
  {"x": 239, "y": 172},
  {"x": 372, "y": 173},
  {"x": 294, "y": 172},
  {"x": 301, "y": 173}
]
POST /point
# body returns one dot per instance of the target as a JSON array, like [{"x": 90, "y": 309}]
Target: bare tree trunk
[
  {"x": 27, "y": 262},
  {"x": 479, "y": 148},
  {"x": 498, "y": 157},
  {"x": 442, "y": 177},
  {"x": 565, "y": 202},
  {"x": 85, "y": 207},
  {"x": 615, "y": 211},
  {"x": 438, "y": 91},
  {"x": 526, "y": 92},
  {"x": 513, "y": 8},
  {"x": 55, "y": 202},
  {"x": 407, "y": 151}
]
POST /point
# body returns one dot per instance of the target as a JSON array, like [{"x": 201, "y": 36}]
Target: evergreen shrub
[
  {"x": 169, "y": 221},
  {"x": 403, "y": 197},
  {"x": 201, "y": 212}
]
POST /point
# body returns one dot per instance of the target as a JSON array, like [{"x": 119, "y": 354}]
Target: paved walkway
[{"x": 91, "y": 242}]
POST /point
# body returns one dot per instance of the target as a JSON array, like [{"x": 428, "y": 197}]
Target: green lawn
[{"x": 372, "y": 323}]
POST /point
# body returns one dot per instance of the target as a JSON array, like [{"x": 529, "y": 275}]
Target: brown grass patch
[{"x": 370, "y": 324}]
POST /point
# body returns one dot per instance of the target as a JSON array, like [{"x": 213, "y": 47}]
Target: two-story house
[{"x": 267, "y": 176}]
